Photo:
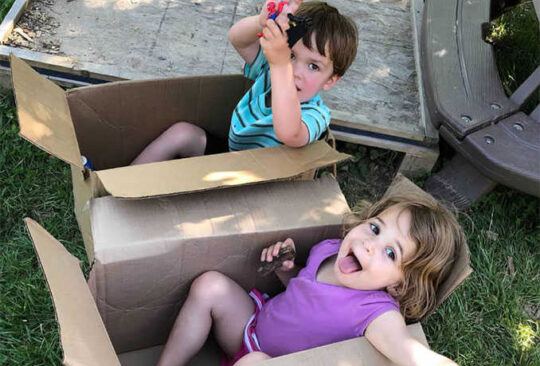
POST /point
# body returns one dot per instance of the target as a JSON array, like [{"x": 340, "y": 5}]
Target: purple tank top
[{"x": 311, "y": 314}]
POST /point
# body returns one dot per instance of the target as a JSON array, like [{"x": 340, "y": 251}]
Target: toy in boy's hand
[
  {"x": 272, "y": 12},
  {"x": 284, "y": 254},
  {"x": 297, "y": 26}
]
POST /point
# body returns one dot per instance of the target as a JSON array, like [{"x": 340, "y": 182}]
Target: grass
[
  {"x": 35, "y": 185},
  {"x": 514, "y": 46},
  {"x": 492, "y": 319},
  {"x": 5, "y": 5}
]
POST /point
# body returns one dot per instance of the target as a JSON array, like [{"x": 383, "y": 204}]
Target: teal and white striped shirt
[{"x": 251, "y": 124}]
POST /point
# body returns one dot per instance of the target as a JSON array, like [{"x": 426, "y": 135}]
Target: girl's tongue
[{"x": 349, "y": 264}]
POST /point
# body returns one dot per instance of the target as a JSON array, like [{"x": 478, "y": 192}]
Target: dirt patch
[
  {"x": 36, "y": 28},
  {"x": 369, "y": 173}
]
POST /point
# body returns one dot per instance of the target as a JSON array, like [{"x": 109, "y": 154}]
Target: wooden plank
[
  {"x": 379, "y": 92},
  {"x": 67, "y": 68},
  {"x": 419, "y": 163},
  {"x": 17, "y": 9},
  {"x": 417, "y": 12}
]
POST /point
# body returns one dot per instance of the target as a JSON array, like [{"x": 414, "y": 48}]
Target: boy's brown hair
[
  {"x": 333, "y": 29},
  {"x": 438, "y": 237}
]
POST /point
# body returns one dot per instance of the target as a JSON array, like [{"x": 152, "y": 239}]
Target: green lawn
[{"x": 492, "y": 319}]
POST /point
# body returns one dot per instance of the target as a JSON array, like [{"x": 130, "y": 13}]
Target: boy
[{"x": 283, "y": 106}]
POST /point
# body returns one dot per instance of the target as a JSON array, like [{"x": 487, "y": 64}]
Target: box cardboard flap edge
[
  {"x": 217, "y": 171},
  {"x": 43, "y": 111},
  {"x": 83, "y": 336}
]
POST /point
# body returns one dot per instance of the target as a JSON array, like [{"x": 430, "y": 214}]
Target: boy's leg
[
  {"x": 214, "y": 300},
  {"x": 182, "y": 139}
]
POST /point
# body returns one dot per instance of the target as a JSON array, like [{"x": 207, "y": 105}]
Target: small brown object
[{"x": 284, "y": 254}]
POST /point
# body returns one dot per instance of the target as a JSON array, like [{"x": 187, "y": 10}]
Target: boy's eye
[
  {"x": 374, "y": 228},
  {"x": 390, "y": 253},
  {"x": 292, "y": 56},
  {"x": 313, "y": 67}
]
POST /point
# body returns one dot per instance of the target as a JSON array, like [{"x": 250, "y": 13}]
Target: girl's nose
[{"x": 368, "y": 245}]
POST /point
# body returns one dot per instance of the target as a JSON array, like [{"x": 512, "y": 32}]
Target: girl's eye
[
  {"x": 390, "y": 253},
  {"x": 374, "y": 228},
  {"x": 313, "y": 67},
  {"x": 292, "y": 56}
]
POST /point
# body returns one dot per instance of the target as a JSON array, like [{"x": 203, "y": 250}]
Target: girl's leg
[
  {"x": 182, "y": 139},
  {"x": 214, "y": 300},
  {"x": 252, "y": 358}
]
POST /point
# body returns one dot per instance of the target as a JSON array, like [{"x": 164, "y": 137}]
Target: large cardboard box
[
  {"x": 111, "y": 124},
  {"x": 152, "y": 259}
]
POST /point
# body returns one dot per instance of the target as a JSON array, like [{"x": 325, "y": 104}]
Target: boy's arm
[
  {"x": 243, "y": 37},
  {"x": 389, "y": 335},
  {"x": 286, "y": 112}
]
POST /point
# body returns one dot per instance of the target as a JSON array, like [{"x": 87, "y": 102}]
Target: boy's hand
[
  {"x": 274, "y": 41},
  {"x": 268, "y": 255},
  {"x": 289, "y": 7}
]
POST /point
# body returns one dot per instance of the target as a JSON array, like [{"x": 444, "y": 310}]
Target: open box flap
[
  {"x": 82, "y": 333},
  {"x": 44, "y": 116},
  {"x": 356, "y": 351},
  {"x": 215, "y": 171}
]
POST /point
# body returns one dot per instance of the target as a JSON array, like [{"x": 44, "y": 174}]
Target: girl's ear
[
  {"x": 394, "y": 290},
  {"x": 330, "y": 82}
]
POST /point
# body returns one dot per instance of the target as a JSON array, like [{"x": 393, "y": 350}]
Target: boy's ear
[{"x": 330, "y": 82}]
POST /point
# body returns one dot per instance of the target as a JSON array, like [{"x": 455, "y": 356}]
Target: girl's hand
[{"x": 269, "y": 254}]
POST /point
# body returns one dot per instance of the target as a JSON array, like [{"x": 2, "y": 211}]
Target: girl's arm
[{"x": 389, "y": 335}]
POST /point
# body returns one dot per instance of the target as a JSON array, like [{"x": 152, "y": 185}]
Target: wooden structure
[
  {"x": 378, "y": 103},
  {"x": 495, "y": 141}
]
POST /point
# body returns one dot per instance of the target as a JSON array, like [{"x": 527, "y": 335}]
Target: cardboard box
[
  {"x": 111, "y": 124},
  {"x": 147, "y": 252},
  {"x": 141, "y": 297}
]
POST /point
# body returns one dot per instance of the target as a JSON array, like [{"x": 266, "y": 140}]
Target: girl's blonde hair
[{"x": 438, "y": 236}]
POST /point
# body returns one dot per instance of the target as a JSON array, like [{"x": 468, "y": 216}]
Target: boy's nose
[{"x": 296, "y": 71}]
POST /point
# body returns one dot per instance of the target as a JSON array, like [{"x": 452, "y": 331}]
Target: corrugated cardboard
[
  {"x": 169, "y": 241},
  {"x": 140, "y": 281},
  {"x": 111, "y": 124}
]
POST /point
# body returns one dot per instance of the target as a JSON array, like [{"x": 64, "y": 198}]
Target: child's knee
[
  {"x": 185, "y": 131},
  {"x": 209, "y": 285}
]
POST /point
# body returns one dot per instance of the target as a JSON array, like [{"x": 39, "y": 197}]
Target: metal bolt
[
  {"x": 465, "y": 118},
  {"x": 489, "y": 140},
  {"x": 495, "y": 106},
  {"x": 518, "y": 127}
]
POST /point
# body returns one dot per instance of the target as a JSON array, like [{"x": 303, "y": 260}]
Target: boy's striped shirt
[{"x": 251, "y": 123}]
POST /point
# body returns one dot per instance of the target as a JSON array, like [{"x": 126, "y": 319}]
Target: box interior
[{"x": 114, "y": 122}]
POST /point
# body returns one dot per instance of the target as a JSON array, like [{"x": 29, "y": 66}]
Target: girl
[{"x": 386, "y": 269}]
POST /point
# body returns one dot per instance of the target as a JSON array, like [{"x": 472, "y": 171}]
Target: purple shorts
[{"x": 250, "y": 342}]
